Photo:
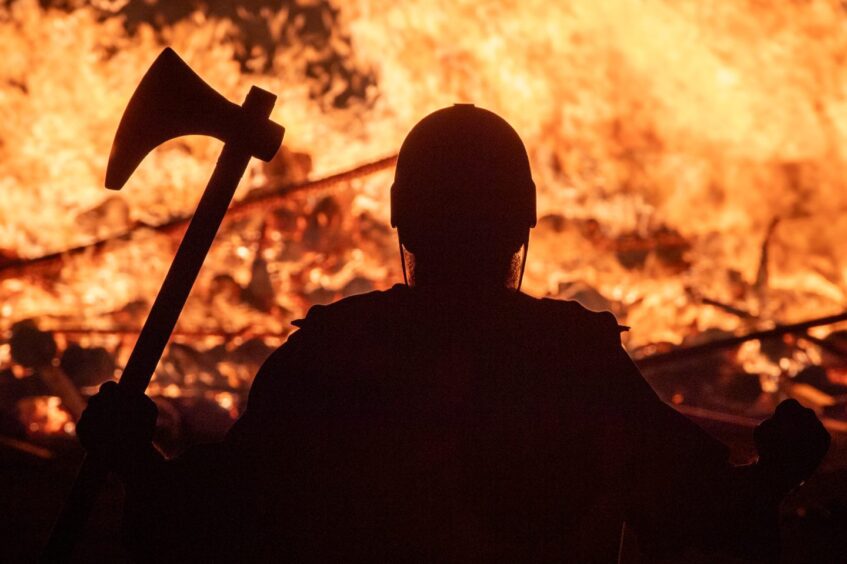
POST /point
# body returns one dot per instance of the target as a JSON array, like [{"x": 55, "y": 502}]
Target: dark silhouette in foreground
[
  {"x": 452, "y": 418},
  {"x": 171, "y": 101}
]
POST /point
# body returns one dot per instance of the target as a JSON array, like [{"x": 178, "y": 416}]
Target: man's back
[
  {"x": 408, "y": 424},
  {"x": 451, "y": 419}
]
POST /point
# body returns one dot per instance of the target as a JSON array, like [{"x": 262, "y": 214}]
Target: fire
[
  {"x": 44, "y": 416},
  {"x": 689, "y": 157},
  {"x": 708, "y": 120}
]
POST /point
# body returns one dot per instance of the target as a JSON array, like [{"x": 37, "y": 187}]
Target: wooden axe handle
[
  {"x": 183, "y": 272},
  {"x": 160, "y": 322}
]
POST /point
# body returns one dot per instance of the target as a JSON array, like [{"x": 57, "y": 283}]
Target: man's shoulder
[
  {"x": 330, "y": 338},
  {"x": 378, "y": 310},
  {"x": 359, "y": 308},
  {"x": 572, "y": 316}
]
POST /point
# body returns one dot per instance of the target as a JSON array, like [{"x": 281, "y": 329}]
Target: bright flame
[
  {"x": 44, "y": 415},
  {"x": 665, "y": 138}
]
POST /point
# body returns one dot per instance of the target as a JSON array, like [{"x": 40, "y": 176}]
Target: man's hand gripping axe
[{"x": 172, "y": 101}]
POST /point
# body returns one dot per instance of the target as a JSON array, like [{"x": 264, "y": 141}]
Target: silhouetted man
[{"x": 452, "y": 418}]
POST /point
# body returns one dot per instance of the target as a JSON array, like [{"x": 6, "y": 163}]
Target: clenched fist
[
  {"x": 791, "y": 444},
  {"x": 117, "y": 427}
]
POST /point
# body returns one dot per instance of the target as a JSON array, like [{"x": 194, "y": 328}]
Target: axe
[{"x": 171, "y": 101}]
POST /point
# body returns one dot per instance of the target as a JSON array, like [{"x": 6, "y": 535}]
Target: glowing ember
[
  {"x": 228, "y": 402},
  {"x": 44, "y": 415}
]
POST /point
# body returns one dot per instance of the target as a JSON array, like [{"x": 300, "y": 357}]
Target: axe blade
[{"x": 171, "y": 101}]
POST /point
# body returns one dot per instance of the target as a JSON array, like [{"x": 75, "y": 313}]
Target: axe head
[{"x": 172, "y": 101}]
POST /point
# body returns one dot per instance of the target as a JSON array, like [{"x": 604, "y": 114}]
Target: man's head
[{"x": 463, "y": 200}]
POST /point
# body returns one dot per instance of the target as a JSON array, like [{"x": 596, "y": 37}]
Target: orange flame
[{"x": 702, "y": 121}]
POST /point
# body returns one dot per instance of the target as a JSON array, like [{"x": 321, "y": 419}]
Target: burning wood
[
  {"x": 35, "y": 350},
  {"x": 272, "y": 195},
  {"x": 687, "y": 353}
]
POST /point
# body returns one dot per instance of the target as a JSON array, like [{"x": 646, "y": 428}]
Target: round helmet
[
  {"x": 463, "y": 198},
  {"x": 463, "y": 163}
]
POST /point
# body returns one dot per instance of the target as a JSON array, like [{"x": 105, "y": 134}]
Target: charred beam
[
  {"x": 688, "y": 353},
  {"x": 269, "y": 196},
  {"x": 828, "y": 346},
  {"x": 198, "y": 334},
  {"x": 26, "y": 447}
]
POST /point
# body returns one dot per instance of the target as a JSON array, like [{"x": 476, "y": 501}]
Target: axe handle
[
  {"x": 74, "y": 516},
  {"x": 184, "y": 269},
  {"x": 154, "y": 335}
]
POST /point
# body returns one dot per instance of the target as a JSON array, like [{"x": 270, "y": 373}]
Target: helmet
[
  {"x": 463, "y": 198},
  {"x": 464, "y": 163}
]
